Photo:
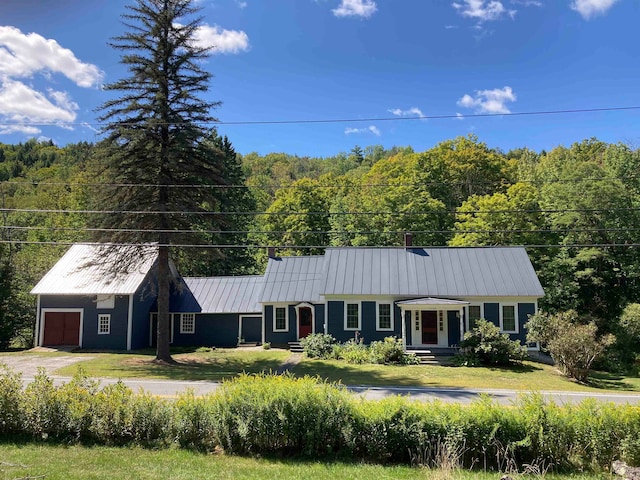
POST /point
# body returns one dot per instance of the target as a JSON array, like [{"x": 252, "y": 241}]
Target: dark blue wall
[
  {"x": 524, "y": 310},
  {"x": 116, "y": 340},
  {"x": 143, "y": 301},
  {"x": 454, "y": 327},
  {"x": 492, "y": 313},
  {"x": 252, "y": 329},
  {"x": 212, "y": 330},
  {"x": 368, "y": 323},
  {"x": 279, "y": 338},
  {"x": 319, "y": 318}
]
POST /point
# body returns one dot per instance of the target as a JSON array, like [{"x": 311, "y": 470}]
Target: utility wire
[{"x": 338, "y": 120}]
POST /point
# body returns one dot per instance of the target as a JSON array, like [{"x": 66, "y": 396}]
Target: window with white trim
[
  {"x": 352, "y": 316},
  {"x": 104, "y": 324},
  {"x": 475, "y": 314},
  {"x": 385, "y": 320},
  {"x": 280, "y": 319},
  {"x": 188, "y": 323},
  {"x": 508, "y": 319}
]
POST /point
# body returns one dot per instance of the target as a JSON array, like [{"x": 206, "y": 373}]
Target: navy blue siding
[
  {"x": 143, "y": 301},
  {"x": 368, "y": 322},
  {"x": 212, "y": 330},
  {"x": 524, "y": 310},
  {"x": 116, "y": 340},
  {"x": 454, "y": 327},
  {"x": 279, "y": 338},
  {"x": 319, "y": 318},
  {"x": 336, "y": 322},
  {"x": 492, "y": 313},
  {"x": 252, "y": 329}
]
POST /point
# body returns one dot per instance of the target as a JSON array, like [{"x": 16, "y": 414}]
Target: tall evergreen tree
[{"x": 155, "y": 150}]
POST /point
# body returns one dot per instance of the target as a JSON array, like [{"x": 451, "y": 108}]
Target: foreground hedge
[{"x": 281, "y": 415}]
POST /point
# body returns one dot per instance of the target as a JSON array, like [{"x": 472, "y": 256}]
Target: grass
[
  {"x": 215, "y": 365},
  {"x": 87, "y": 463},
  {"x": 226, "y": 363}
]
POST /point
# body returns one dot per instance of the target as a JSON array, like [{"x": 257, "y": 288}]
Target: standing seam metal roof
[
  {"x": 293, "y": 279},
  {"x": 430, "y": 272},
  {"x": 223, "y": 295}
]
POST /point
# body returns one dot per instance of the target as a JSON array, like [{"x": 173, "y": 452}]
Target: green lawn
[
  {"x": 86, "y": 463},
  {"x": 215, "y": 365},
  {"x": 225, "y": 363}
]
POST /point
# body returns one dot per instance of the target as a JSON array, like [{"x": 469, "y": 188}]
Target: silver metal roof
[
  {"x": 224, "y": 294},
  {"x": 430, "y": 272},
  {"x": 293, "y": 279},
  {"x": 88, "y": 269}
]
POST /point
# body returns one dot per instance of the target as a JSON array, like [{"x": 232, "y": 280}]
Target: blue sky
[{"x": 382, "y": 67}]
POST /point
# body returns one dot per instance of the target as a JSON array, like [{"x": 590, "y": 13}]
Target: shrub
[
  {"x": 11, "y": 399},
  {"x": 572, "y": 345},
  {"x": 318, "y": 345},
  {"x": 266, "y": 345},
  {"x": 352, "y": 352},
  {"x": 491, "y": 347},
  {"x": 391, "y": 351}
]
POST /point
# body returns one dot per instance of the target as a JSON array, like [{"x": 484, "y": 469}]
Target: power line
[{"x": 341, "y": 120}]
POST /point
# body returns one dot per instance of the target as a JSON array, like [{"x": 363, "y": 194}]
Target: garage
[{"x": 61, "y": 328}]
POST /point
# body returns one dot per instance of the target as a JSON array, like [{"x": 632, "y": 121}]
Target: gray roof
[
  {"x": 87, "y": 269},
  {"x": 223, "y": 295},
  {"x": 293, "y": 279},
  {"x": 430, "y": 272}
]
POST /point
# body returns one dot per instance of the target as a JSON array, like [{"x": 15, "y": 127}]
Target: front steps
[
  {"x": 296, "y": 347},
  {"x": 433, "y": 356}
]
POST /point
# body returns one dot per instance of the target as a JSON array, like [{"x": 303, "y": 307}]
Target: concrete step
[{"x": 295, "y": 347}]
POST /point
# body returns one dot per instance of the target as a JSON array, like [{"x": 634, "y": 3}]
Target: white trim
[
  {"x": 515, "y": 315},
  {"x": 286, "y": 318},
  {"x": 359, "y": 327},
  {"x": 392, "y": 315},
  {"x": 326, "y": 318},
  {"x": 404, "y": 327},
  {"x": 183, "y": 330},
  {"x": 130, "y": 323},
  {"x": 36, "y": 340},
  {"x": 107, "y": 317},
  {"x": 313, "y": 317},
  {"x": 43, "y": 313},
  {"x": 264, "y": 323}
]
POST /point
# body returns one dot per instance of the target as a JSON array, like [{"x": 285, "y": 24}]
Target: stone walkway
[{"x": 292, "y": 361}]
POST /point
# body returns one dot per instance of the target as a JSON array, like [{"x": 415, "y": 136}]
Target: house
[{"x": 427, "y": 296}]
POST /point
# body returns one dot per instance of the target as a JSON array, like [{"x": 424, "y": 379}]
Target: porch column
[
  {"x": 404, "y": 329},
  {"x": 461, "y": 314}
]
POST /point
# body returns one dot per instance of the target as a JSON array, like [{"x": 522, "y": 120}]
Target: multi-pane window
[
  {"x": 280, "y": 319},
  {"x": 104, "y": 324},
  {"x": 188, "y": 323},
  {"x": 384, "y": 316},
  {"x": 508, "y": 318},
  {"x": 353, "y": 316},
  {"x": 474, "y": 316}
]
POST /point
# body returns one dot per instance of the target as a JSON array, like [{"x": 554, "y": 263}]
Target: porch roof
[{"x": 430, "y": 301}]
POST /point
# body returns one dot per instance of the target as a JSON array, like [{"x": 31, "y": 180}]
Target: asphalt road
[{"x": 172, "y": 388}]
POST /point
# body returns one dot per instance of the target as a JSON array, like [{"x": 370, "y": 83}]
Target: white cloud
[
  {"x": 355, "y": 8},
  {"x": 241, "y": 4},
  {"x": 483, "y": 10},
  {"x": 357, "y": 131},
  {"x": 222, "y": 40},
  {"x": 412, "y": 112},
  {"x": 459, "y": 116},
  {"x": 489, "y": 101},
  {"x": 591, "y": 8},
  {"x": 21, "y": 56}
]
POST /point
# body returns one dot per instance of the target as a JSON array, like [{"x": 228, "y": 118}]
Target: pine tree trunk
[{"x": 164, "y": 281}]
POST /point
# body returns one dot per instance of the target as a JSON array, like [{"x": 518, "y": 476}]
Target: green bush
[
  {"x": 391, "y": 351},
  {"x": 491, "y": 347},
  {"x": 573, "y": 343},
  {"x": 318, "y": 345},
  {"x": 352, "y": 352},
  {"x": 11, "y": 397}
]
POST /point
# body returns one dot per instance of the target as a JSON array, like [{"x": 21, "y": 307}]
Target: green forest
[{"x": 576, "y": 209}]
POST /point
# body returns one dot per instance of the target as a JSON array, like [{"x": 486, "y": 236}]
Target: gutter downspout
[{"x": 130, "y": 323}]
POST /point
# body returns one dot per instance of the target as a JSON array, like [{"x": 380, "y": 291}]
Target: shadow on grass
[{"x": 611, "y": 381}]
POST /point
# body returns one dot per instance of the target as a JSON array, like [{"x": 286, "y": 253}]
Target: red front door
[
  {"x": 429, "y": 328},
  {"x": 61, "y": 328},
  {"x": 304, "y": 322}
]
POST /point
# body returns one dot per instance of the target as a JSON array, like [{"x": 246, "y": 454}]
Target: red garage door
[{"x": 61, "y": 328}]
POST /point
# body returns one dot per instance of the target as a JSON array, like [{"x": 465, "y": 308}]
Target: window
[
  {"x": 508, "y": 321},
  {"x": 352, "y": 316},
  {"x": 280, "y": 320},
  {"x": 441, "y": 320},
  {"x": 384, "y": 317},
  {"x": 105, "y": 301},
  {"x": 474, "y": 315},
  {"x": 188, "y": 323},
  {"x": 104, "y": 324}
]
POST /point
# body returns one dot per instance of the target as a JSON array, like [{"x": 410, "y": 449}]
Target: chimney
[
  {"x": 408, "y": 240},
  {"x": 271, "y": 252}
]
